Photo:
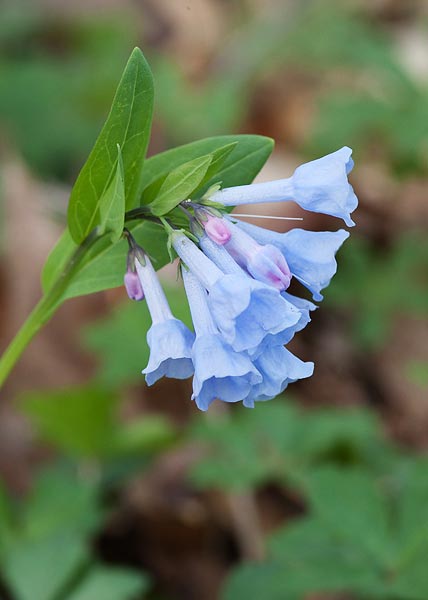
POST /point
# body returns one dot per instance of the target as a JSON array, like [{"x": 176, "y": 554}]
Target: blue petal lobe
[{"x": 170, "y": 344}]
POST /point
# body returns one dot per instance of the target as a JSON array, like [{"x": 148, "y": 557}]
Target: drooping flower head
[
  {"x": 244, "y": 310},
  {"x": 236, "y": 277}
]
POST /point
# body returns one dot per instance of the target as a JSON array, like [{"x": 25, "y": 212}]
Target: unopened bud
[
  {"x": 133, "y": 285},
  {"x": 216, "y": 229}
]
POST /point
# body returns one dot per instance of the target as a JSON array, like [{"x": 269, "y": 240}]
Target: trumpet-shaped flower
[
  {"x": 319, "y": 186},
  {"x": 220, "y": 372},
  {"x": 169, "y": 340},
  {"x": 309, "y": 254},
  {"x": 244, "y": 310},
  {"x": 278, "y": 367}
]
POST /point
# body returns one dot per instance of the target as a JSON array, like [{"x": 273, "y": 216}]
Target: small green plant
[
  {"x": 280, "y": 443},
  {"x": 364, "y": 534},
  {"x": 45, "y": 543}
]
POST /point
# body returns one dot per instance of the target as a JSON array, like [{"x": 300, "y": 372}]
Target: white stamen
[{"x": 267, "y": 217}]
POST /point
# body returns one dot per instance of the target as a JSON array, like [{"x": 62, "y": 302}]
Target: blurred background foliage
[{"x": 111, "y": 490}]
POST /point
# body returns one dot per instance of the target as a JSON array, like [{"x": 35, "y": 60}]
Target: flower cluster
[{"x": 236, "y": 276}]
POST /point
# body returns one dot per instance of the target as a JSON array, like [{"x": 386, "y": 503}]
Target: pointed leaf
[
  {"x": 240, "y": 167},
  {"x": 356, "y": 511},
  {"x": 219, "y": 157},
  {"x": 112, "y": 203},
  {"x": 179, "y": 184},
  {"x": 78, "y": 421},
  {"x": 109, "y": 583},
  {"x": 128, "y": 124}
]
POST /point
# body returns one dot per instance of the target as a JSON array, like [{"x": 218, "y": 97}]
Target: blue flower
[
  {"x": 220, "y": 372},
  {"x": 170, "y": 344},
  {"x": 244, "y": 310},
  {"x": 309, "y": 254},
  {"x": 278, "y": 367},
  {"x": 236, "y": 280},
  {"x": 319, "y": 186},
  {"x": 169, "y": 340},
  {"x": 322, "y": 185}
]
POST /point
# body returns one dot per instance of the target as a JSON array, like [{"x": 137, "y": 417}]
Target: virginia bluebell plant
[{"x": 236, "y": 277}]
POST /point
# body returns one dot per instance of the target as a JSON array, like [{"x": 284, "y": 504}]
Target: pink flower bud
[
  {"x": 216, "y": 229},
  {"x": 133, "y": 286}
]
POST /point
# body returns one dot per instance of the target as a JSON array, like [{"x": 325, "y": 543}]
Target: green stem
[
  {"x": 21, "y": 340},
  {"x": 43, "y": 310}
]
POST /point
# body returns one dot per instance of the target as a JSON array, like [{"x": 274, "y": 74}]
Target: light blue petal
[
  {"x": 322, "y": 185},
  {"x": 220, "y": 372},
  {"x": 305, "y": 307},
  {"x": 170, "y": 345},
  {"x": 279, "y": 367},
  {"x": 286, "y": 335},
  {"x": 246, "y": 311},
  {"x": 309, "y": 254}
]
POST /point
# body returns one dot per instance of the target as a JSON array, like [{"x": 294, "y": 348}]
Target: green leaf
[
  {"x": 240, "y": 167},
  {"x": 255, "y": 581},
  {"x": 109, "y": 583},
  {"x": 179, "y": 184},
  {"x": 112, "y": 203},
  {"x": 219, "y": 156},
  {"x": 218, "y": 159},
  {"x": 39, "y": 569},
  {"x": 279, "y": 442},
  {"x": 128, "y": 125},
  {"x": 105, "y": 263},
  {"x": 79, "y": 421},
  {"x": 411, "y": 520},
  {"x": 315, "y": 560},
  {"x": 142, "y": 436},
  {"x": 50, "y": 541},
  {"x": 60, "y": 501},
  {"x": 411, "y": 580},
  {"x": 57, "y": 259},
  {"x": 356, "y": 510}
]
